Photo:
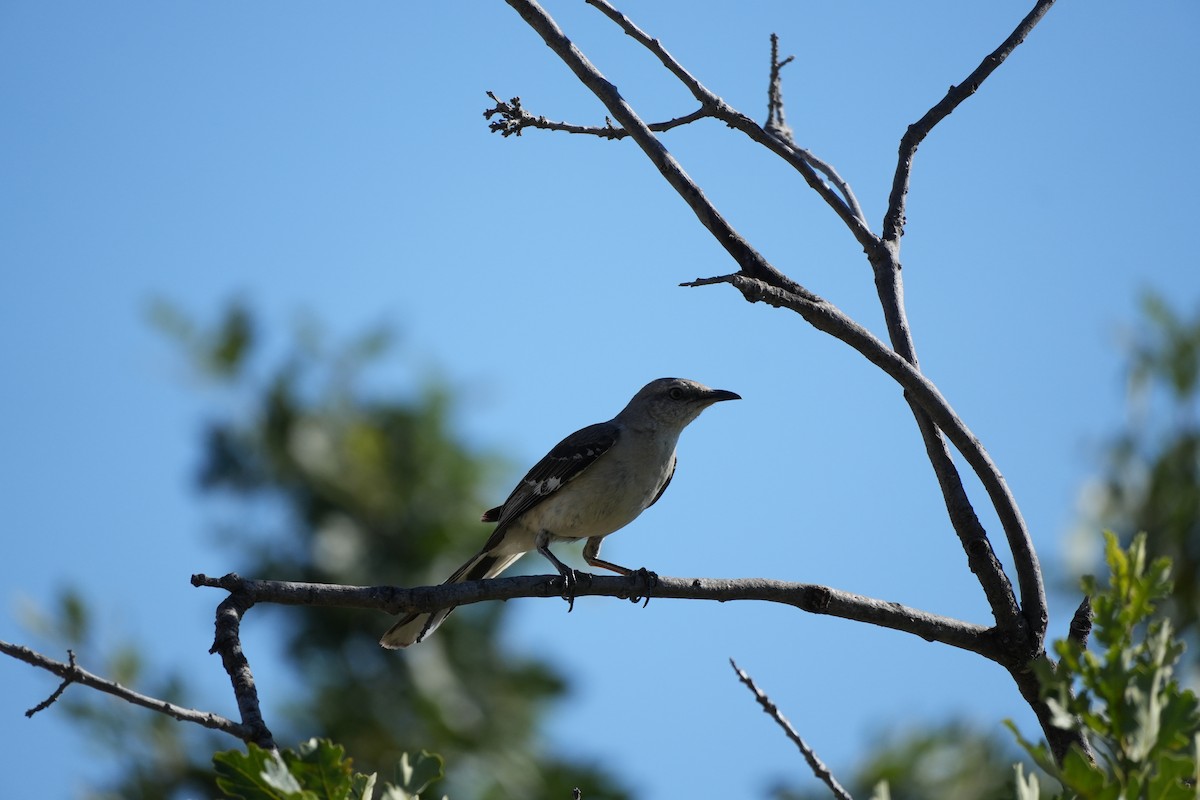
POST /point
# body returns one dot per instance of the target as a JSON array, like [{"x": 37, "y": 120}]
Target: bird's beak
[{"x": 717, "y": 395}]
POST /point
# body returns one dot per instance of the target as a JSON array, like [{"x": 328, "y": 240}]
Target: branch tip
[{"x": 776, "y": 122}]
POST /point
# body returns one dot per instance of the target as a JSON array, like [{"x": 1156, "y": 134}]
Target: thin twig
[
  {"x": 776, "y": 121},
  {"x": 811, "y": 598},
  {"x": 73, "y": 673},
  {"x": 512, "y": 119},
  {"x": 818, "y": 767},
  {"x": 777, "y": 126},
  {"x": 893, "y": 221}
]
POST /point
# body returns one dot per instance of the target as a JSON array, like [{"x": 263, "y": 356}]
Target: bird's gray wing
[{"x": 565, "y": 462}]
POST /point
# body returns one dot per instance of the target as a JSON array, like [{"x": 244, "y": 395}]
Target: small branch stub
[{"x": 1081, "y": 624}]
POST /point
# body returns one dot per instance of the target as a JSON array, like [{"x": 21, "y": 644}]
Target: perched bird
[{"x": 594, "y": 482}]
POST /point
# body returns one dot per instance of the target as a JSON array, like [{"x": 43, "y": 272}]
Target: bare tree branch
[
  {"x": 817, "y": 765},
  {"x": 72, "y": 673},
  {"x": 811, "y": 598},
  {"x": 893, "y": 222}
]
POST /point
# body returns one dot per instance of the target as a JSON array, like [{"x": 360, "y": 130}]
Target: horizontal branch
[
  {"x": 70, "y": 673},
  {"x": 811, "y": 598}
]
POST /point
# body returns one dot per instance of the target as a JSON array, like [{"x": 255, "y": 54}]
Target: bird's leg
[
  {"x": 648, "y": 579},
  {"x": 568, "y": 575}
]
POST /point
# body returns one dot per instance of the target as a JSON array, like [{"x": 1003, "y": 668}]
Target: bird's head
[{"x": 674, "y": 401}]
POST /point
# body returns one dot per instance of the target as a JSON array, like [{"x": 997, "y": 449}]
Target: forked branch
[{"x": 71, "y": 673}]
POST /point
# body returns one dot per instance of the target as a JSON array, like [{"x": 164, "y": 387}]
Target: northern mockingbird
[{"x": 594, "y": 482}]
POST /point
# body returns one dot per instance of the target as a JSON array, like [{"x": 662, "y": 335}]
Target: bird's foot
[
  {"x": 570, "y": 583},
  {"x": 646, "y": 581}
]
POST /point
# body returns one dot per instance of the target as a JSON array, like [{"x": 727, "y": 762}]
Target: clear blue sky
[{"x": 333, "y": 158}]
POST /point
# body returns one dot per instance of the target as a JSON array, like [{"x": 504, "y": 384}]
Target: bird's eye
[{"x": 676, "y": 393}]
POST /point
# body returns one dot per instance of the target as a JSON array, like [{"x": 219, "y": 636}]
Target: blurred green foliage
[
  {"x": 315, "y": 477},
  {"x": 1151, "y": 483},
  {"x": 955, "y": 760},
  {"x": 319, "y": 480},
  {"x": 1121, "y": 693},
  {"x": 1152, "y": 478}
]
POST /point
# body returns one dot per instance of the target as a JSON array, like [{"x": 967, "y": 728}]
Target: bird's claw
[
  {"x": 570, "y": 581},
  {"x": 646, "y": 581}
]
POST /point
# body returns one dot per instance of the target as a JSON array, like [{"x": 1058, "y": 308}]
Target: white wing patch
[{"x": 544, "y": 487}]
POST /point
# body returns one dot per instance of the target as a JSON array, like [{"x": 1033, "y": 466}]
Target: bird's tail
[{"x": 412, "y": 628}]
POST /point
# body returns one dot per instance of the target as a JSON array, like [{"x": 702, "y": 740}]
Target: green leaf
[
  {"x": 1040, "y": 753},
  {"x": 363, "y": 787},
  {"x": 1171, "y": 777},
  {"x": 415, "y": 777},
  {"x": 276, "y": 774},
  {"x": 1085, "y": 778},
  {"x": 321, "y": 767},
  {"x": 231, "y": 341},
  {"x": 1026, "y": 786},
  {"x": 1060, "y": 717},
  {"x": 392, "y": 792},
  {"x": 881, "y": 791},
  {"x": 256, "y": 774}
]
